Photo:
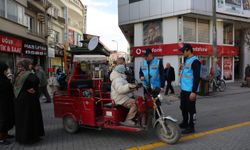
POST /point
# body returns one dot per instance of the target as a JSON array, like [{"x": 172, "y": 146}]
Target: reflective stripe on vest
[
  {"x": 187, "y": 76},
  {"x": 153, "y": 70}
]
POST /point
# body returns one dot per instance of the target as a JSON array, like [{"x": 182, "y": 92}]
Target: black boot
[
  {"x": 183, "y": 125},
  {"x": 188, "y": 130}
]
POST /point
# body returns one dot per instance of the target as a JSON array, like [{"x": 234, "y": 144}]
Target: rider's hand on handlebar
[{"x": 132, "y": 86}]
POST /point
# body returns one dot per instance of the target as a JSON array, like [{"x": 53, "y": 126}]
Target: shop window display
[{"x": 228, "y": 68}]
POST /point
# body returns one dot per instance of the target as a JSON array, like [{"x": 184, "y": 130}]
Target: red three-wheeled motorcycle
[{"x": 87, "y": 103}]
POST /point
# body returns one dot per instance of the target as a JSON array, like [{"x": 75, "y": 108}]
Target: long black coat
[
  {"x": 28, "y": 115},
  {"x": 169, "y": 74},
  {"x": 6, "y": 104}
]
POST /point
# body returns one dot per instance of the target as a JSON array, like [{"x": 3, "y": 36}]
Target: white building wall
[
  {"x": 219, "y": 32},
  {"x": 202, "y": 7},
  {"x": 170, "y": 30},
  {"x": 138, "y": 34},
  {"x": 151, "y": 9}
]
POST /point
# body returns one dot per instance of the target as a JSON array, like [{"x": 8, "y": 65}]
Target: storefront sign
[
  {"x": 51, "y": 52},
  {"x": 10, "y": 45},
  {"x": 33, "y": 48},
  {"x": 173, "y": 49}
]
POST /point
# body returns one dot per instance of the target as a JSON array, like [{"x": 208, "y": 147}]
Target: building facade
[
  {"x": 163, "y": 24},
  {"x": 23, "y": 31},
  {"x": 67, "y": 24}
]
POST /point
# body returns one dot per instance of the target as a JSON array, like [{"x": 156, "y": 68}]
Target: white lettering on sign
[
  {"x": 200, "y": 49},
  {"x": 7, "y": 41},
  {"x": 156, "y": 50},
  {"x": 34, "y": 47}
]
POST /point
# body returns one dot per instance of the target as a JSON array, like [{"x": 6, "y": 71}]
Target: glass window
[
  {"x": 203, "y": 31},
  {"x": 20, "y": 12},
  {"x": 189, "y": 32},
  {"x": 228, "y": 33},
  {"x": 75, "y": 38},
  {"x": 79, "y": 38},
  {"x": 55, "y": 36},
  {"x": 30, "y": 23},
  {"x": 12, "y": 10},
  {"x": 2, "y": 8},
  {"x": 39, "y": 27},
  {"x": 132, "y": 1}
]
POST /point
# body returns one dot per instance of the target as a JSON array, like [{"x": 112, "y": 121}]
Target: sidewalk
[{"x": 231, "y": 89}]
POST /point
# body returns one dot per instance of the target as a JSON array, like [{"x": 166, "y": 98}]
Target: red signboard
[
  {"x": 50, "y": 70},
  {"x": 173, "y": 49},
  {"x": 10, "y": 45}
]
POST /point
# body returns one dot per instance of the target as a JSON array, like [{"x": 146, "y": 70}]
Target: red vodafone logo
[{"x": 138, "y": 51}]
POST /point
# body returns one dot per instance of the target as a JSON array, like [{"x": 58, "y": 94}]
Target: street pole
[{"x": 214, "y": 39}]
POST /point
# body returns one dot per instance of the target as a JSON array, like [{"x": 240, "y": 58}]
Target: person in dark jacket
[
  {"x": 189, "y": 83},
  {"x": 28, "y": 115},
  {"x": 6, "y": 105},
  {"x": 169, "y": 77},
  {"x": 247, "y": 71},
  {"x": 43, "y": 83}
]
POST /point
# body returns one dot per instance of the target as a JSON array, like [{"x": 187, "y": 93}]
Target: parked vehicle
[
  {"x": 87, "y": 103},
  {"x": 217, "y": 84}
]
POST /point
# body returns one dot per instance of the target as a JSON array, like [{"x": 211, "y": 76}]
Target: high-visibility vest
[
  {"x": 187, "y": 76},
  {"x": 153, "y": 71}
]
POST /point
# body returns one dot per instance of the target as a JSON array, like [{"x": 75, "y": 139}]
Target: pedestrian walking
[
  {"x": 169, "y": 77},
  {"x": 28, "y": 115},
  {"x": 247, "y": 71},
  {"x": 6, "y": 105},
  {"x": 189, "y": 82},
  {"x": 43, "y": 83}
]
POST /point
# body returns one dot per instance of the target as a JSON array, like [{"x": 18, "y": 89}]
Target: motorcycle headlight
[{"x": 160, "y": 97}]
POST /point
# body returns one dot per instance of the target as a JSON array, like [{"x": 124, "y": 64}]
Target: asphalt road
[{"x": 214, "y": 112}]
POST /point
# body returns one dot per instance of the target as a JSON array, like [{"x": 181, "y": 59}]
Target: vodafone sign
[
  {"x": 173, "y": 49},
  {"x": 141, "y": 51}
]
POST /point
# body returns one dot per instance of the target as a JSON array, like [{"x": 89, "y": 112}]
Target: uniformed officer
[
  {"x": 189, "y": 82},
  {"x": 152, "y": 71}
]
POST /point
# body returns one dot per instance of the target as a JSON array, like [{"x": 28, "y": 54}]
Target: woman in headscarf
[
  {"x": 28, "y": 115},
  {"x": 6, "y": 105}
]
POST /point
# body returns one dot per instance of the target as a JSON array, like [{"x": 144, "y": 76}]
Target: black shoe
[
  {"x": 183, "y": 125},
  {"x": 188, "y": 130},
  {"x": 10, "y": 136},
  {"x": 5, "y": 142}
]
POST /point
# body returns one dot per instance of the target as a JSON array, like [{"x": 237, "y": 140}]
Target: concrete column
[
  {"x": 245, "y": 50},
  {"x": 138, "y": 34}
]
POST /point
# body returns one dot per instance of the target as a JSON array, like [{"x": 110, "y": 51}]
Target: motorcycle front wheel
[{"x": 173, "y": 132}]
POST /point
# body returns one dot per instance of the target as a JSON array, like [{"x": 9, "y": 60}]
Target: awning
[{"x": 90, "y": 58}]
